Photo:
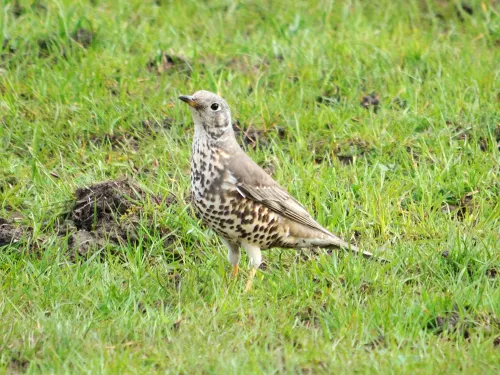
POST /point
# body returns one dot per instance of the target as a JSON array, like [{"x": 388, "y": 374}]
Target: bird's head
[{"x": 209, "y": 111}]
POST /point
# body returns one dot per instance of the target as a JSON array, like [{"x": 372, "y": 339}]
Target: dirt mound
[
  {"x": 9, "y": 233},
  {"x": 110, "y": 212},
  {"x": 251, "y": 137},
  {"x": 165, "y": 62},
  {"x": 19, "y": 236},
  {"x": 103, "y": 214},
  {"x": 102, "y": 203}
]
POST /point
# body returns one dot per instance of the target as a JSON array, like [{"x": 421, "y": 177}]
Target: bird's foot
[
  {"x": 251, "y": 276},
  {"x": 235, "y": 270}
]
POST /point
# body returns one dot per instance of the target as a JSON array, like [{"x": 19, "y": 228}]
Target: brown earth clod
[
  {"x": 370, "y": 101},
  {"x": 8, "y": 49},
  {"x": 496, "y": 342},
  {"x": 492, "y": 273},
  {"x": 449, "y": 322},
  {"x": 109, "y": 213},
  {"x": 244, "y": 65},
  {"x": 18, "y": 365},
  {"x": 121, "y": 139},
  {"x": 378, "y": 342},
  {"x": 347, "y": 150},
  {"x": 399, "y": 103},
  {"x": 308, "y": 318},
  {"x": 116, "y": 141},
  {"x": 154, "y": 126},
  {"x": 251, "y": 137},
  {"x": 104, "y": 201},
  {"x": 460, "y": 207},
  {"x": 329, "y": 97},
  {"x": 443, "y": 323},
  {"x": 83, "y": 37},
  {"x": 165, "y": 63},
  {"x": 12, "y": 233}
]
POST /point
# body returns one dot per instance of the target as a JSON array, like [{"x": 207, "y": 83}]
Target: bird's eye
[{"x": 214, "y": 106}]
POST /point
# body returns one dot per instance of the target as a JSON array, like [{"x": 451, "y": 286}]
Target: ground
[{"x": 382, "y": 117}]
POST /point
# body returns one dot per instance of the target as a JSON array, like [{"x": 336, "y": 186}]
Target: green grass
[{"x": 153, "y": 308}]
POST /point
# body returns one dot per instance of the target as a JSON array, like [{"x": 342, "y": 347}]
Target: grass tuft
[{"x": 383, "y": 118}]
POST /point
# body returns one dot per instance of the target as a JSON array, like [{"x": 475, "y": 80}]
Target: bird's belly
[{"x": 238, "y": 219}]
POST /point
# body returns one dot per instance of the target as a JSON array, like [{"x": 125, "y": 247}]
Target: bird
[{"x": 237, "y": 199}]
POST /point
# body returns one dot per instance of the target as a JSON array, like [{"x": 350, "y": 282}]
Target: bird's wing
[{"x": 255, "y": 184}]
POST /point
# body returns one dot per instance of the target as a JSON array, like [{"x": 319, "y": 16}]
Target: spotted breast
[{"x": 221, "y": 206}]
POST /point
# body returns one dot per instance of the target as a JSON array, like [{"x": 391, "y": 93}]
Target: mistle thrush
[{"x": 238, "y": 199}]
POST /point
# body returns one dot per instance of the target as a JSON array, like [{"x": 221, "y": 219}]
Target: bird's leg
[
  {"x": 233, "y": 255},
  {"x": 251, "y": 276},
  {"x": 255, "y": 257},
  {"x": 235, "y": 270}
]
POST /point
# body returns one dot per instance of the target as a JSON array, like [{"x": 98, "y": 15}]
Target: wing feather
[{"x": 255, "y": 184}]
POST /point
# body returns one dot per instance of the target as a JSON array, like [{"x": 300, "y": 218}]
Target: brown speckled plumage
[{"x": 237, "y": 198}]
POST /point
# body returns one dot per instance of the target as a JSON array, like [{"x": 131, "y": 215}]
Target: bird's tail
[{"x": 339, "y": 243}]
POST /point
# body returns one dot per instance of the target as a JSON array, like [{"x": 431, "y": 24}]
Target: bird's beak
[{"x": 189, "y": 100}]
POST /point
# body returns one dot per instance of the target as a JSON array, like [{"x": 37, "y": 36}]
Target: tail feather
[{"x": 339, "y": 243}]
